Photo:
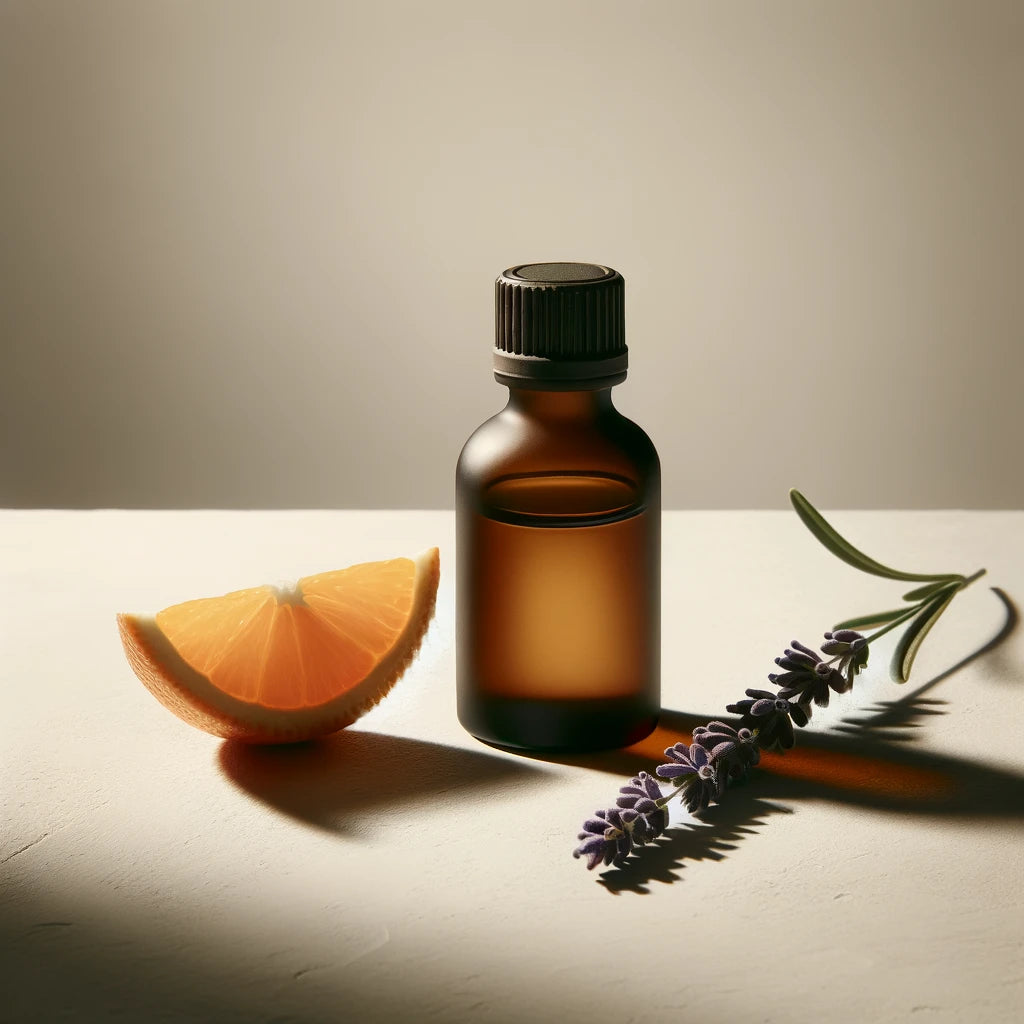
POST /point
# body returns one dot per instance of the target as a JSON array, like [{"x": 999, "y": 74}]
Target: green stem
[
  {"x": 908, "y": 614},
  {"x": 962, "y": 583},
  {"x": 663, "y": 802}
]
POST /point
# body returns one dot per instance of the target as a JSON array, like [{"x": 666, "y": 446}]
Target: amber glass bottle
[{"x": 558, "y": 513}]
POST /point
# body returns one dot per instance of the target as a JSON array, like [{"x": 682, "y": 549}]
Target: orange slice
[{"x": 279, "y": 665}]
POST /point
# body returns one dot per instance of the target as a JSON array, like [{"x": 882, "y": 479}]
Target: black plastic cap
[{"x": 560, "y": 326}]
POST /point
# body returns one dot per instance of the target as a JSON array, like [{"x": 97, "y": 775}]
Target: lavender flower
[
  {"x": 852, "y": 648},
  {"x": 733, "y": 751},
  {"x": 771, "y": 718},
  {"x": 609, "y": 837},
  {"x": 606, "y": 839},
  {"x": 642, "y": 794},
  {"x": 807, "y": 677},
  {"x": 692, "y": 771}
]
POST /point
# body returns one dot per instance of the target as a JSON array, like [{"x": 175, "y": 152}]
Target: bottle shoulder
[
  {"x": 510, "y": 443},
  {"x": 633, "y": 434}
]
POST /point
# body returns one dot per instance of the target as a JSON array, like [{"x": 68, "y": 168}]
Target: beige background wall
[{"x": 247, "y": 249}]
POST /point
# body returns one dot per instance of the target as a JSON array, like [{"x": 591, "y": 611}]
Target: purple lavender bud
[
  {"x": 642, "y": 786},
  {"x": 847, "y": 637},
  {"x": 593, "y": 849},
  {"x": 794, "y": 662},
  {"x": 799, "y": 713},
  {"x": 805, "y": 650}
]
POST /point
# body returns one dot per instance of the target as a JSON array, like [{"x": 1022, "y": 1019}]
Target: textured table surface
[{"x": 403, "y": 871}]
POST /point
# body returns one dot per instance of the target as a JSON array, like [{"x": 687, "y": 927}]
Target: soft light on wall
[{"x": 248, "y": 248}]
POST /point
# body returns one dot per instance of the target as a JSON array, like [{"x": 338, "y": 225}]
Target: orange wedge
[{"x": 279, "y": 665}]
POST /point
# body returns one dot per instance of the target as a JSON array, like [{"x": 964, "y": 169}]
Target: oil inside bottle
[{"x": 558, "y": 613}]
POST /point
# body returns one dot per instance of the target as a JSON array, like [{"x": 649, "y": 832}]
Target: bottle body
[{"x": 558, "y": 509}]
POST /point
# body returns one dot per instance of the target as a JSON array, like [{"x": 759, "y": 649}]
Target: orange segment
[
  {"x": 349, "y": 600},
  {"x": 234, "y": 628},
  {"x": 270, "y": 666}
]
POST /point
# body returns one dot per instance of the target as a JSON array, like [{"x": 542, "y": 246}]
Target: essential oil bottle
[{"x": 558, "y": 520}]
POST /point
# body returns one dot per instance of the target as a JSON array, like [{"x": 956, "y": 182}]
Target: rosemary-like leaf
[
  {"x": 843, "y": 549},
  {"x": 928, "y": 590},
  {"x": 912, "y": 637},
  {"x": 867, "y": 621}
]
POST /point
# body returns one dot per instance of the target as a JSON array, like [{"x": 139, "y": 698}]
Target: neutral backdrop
[{"x": 247, "y": 249}]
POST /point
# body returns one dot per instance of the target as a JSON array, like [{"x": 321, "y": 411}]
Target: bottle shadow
[
  {"x": 332, "y": 783},
  {"x": 866, "y": 761}
]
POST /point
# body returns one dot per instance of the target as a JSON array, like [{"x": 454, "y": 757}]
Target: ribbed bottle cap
[{"x": 560, "y": 326}]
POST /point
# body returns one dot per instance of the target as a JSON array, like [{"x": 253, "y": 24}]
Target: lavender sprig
[{"x": 700, "y": 772}]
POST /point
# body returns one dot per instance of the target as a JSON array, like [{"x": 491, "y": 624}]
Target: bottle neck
[{"x": 561, "y": 405}]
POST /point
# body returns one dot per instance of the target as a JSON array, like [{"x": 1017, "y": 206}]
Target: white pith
[{"x": 288, "y": 593}]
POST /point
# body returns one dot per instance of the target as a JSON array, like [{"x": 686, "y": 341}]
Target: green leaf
[
  {"x": 842, "y": 548},
  {"x": 926, "y": 591},
  {"x": 867, "y": 621},
  {"x": 913, "y": 636}
]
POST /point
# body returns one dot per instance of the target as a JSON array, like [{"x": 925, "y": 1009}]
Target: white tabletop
[{"x": 403, "y": 871}]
